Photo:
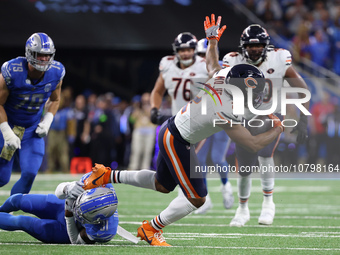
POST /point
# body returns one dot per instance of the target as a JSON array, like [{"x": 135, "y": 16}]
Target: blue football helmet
[
  {"x": 95, "y": 205},
  {"x": 254, "y": 34},
  {"x": 39, "y": 43},
  {"x": 245, "y": 76}
]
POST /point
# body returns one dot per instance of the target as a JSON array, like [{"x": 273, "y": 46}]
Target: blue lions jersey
[
  {"x": 106, "y": 230},
  {"x": 26, "y": 101}
]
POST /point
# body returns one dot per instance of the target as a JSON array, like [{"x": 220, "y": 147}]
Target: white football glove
[
  {"x": 69, "y": 202},
  {"x": 12, "y": 141},
  {"x": 74, "y": 189},
  {"x": 44, "y": 125}
]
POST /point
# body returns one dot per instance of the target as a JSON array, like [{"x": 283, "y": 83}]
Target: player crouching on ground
[{"x": 78, "y": 217}]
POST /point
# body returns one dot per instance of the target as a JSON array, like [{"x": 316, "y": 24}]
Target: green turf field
[{"x": 307, "y": 222}]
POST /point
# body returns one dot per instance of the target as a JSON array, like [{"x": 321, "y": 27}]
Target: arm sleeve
[
  {"x": 72, "y": 231},
  {"x": 59, "y": 191}
]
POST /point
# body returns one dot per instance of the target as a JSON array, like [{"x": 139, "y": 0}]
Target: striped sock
[
  {"x": 268, "y": 195},
  {"x": 157, "y": 223},
  {"x": 243, "y": 202},
  {"x": 115, "y": 175}
]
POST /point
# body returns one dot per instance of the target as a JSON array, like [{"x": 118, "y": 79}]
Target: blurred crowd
[{"x": 311, "y": 28}]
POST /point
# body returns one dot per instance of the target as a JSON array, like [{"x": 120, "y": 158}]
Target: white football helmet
[
  {"x": 39, "y": 43},
  {"x": 95, "y": 205}
]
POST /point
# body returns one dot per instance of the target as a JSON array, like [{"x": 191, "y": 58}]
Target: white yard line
[
  {"x": 227, "y": 225},
  {"x": 191, "y": 247}
]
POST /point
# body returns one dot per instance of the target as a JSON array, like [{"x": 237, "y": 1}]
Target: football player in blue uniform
[
  {"x": 71, "y": 216},
  {"x": 27, "y": 85}
]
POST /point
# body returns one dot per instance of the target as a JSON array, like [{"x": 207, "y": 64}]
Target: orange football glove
[
  {"x": 100, "y": 175},
  {"x": 276, "y": 122},
  {"x": 212, "y": 30}
]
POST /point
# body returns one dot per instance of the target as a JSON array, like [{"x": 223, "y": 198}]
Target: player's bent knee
[
  {"x": 160, "y": 187},
  {"x": 4, "y": 180},
  {"x": 197, "y": 202}
]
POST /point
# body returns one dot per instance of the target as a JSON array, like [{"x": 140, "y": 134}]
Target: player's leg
[
  {"x": 266, "y": 162},
  {"x": 267, "y": 165},
  {"x": 245, "y": 160},
  {"x": 176, "y": 161},
  {"x": 147, "y": 150},
  {"x": 30, "y": 155},
  {"x": 45, "y": 230},
  {"x": 219, "y": 150},
  {"x": 43, "y": 206},
  {"x": 202, "y": 150}
]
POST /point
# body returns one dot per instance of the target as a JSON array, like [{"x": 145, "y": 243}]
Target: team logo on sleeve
[
  {"x": 48, "y": 87},
  {"x": 270, "y": 70}
]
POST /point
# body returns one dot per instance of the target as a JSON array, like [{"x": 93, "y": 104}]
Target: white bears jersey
[
  {"x": 196, "y": 120},
  {"x": 274, "y": 69},
  {"x": 182, "y": 84}
]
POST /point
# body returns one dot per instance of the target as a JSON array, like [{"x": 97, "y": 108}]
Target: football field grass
[{"x": 307, "y": 222}]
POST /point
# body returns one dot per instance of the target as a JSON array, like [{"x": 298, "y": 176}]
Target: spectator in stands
[
  {"x": 143, "y": 135},
  {"x": 300, "y": 43},
  {"x": 335, "y": 39},
  {"x": 332, "y": 126},
  {"x": 60, "y": 134},
  {"x": 82, "y": 138},
  {"x": 295, "y": 14},
  {"x": 318, "y": 133},
  {"x": 319, "y": 49},
  {"x": 104, "y": 132}
]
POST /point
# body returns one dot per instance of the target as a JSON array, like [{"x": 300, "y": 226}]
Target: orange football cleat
[
  {"x": 100, "y": 175},
  {"x": 152, "y": 236}
]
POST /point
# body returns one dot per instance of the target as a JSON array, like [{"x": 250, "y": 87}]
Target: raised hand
[{"x": 212, "y": 29}]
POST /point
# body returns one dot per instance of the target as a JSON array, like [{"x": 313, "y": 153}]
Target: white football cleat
[
  {"x": 228, "y": 198},
  {"x": 242, "y": 216},
  {"x": 205, "y": 207},
  {"x": 267, "y": 213}
]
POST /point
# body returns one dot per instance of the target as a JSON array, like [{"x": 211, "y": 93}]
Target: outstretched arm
[
  {"x": 253, "y": 144},
  {"x": 295, "y": 80},
  {"x": 213, "y": 34}
]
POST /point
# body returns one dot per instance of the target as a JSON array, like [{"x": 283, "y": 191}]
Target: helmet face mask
[
  {"x": 254, "y": 43},
  {"x": 185, "y": 40},
  {"x": 245, "y": 77},
  {"x": 95, "y": 205},
  {"x": 40, "y": 51}
]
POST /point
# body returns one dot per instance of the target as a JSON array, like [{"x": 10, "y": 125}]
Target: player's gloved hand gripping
[
  {"x": 12, "y": 141},
  {"x": 44, "y": 125},
  {"x": 74, "y": 189},
  {"x": 154, "y": 115},
  {"x": 100, "y": 175},
  {"x": 212, "y": 29},
  {"x": 301, "y": 128}
]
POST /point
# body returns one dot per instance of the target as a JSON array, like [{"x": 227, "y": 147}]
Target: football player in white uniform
[
  {"x": 276, "y": 65},
  {"x": 177, "y": 162},
  {"x": 178, "y": 75}
]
